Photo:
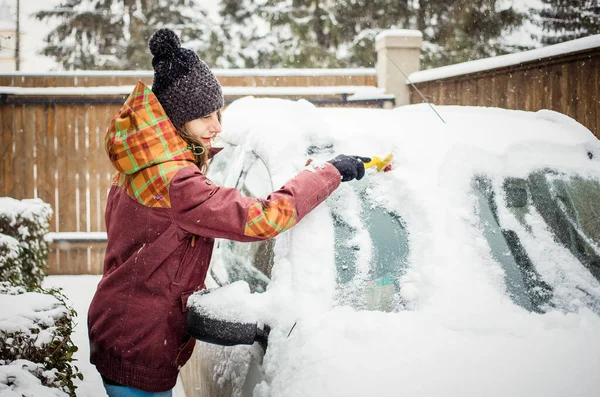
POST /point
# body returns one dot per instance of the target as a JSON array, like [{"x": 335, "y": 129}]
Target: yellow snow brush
[{"x": 384, "y": 164}]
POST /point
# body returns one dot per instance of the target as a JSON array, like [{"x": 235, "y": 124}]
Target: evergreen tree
[
  {"x": 334, "y": 33},
  {"x": 563, "y": 20},
  {"x": 114, "y": 34},
  {"x": 250, "y": 42}
]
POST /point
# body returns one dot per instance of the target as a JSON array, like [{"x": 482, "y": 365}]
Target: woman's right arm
[{"x": 202, "y": 208}]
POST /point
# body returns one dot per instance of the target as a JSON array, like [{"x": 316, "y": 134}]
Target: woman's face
[{"x": 206, "y": 128}]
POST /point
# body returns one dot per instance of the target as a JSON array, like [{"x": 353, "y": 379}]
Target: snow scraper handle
[{"x": 381, "y": 165}]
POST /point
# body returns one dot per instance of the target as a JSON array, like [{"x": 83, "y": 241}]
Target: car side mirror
[
  {"x": 205, "y": 326},
  {"x": 515, "y": 191}
]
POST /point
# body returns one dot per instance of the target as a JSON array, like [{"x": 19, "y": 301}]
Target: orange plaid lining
[
  {"x": 268, "y": 222},
  {"x": 150, "y": 186},
  {"x": 143, "y": 145}
]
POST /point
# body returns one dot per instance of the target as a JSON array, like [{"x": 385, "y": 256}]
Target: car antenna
[
  {"x": 415, "y": 87},
  {"x": 293, "y": 326}
]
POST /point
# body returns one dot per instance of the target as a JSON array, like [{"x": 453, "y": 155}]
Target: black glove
[{"x": 350, "y": 167}]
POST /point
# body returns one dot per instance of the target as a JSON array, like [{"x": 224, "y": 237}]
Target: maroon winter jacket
[{"x": 162, "y": 217}]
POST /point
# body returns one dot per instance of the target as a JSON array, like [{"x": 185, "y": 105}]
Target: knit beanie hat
[{"x": 184, "y": 85}]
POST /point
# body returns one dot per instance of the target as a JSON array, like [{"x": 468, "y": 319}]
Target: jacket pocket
[
  {"x": 184, "y": 259},
  {"x": 184, "y": 352},
  {"x": 184, "y": 299}
]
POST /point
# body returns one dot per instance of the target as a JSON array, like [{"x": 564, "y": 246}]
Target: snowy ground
[{"x": 80, "y": 290}]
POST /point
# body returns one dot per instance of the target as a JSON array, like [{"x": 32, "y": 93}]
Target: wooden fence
[
  {"x": 227, "y": 78},
  {"x": 568, "y": 84},
  {"x": 56, "y": 152},
  {"x": 52, "y": 147}
]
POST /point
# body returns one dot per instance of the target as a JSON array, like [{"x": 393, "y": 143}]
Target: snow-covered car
[{"x": 471, "y": 268}]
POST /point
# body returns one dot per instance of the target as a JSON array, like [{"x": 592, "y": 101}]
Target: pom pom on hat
[
  {"x": 164, "y": 42},
  {"x": 185, "y": 86}
]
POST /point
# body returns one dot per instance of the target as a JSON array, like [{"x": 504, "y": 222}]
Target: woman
[{"x": 163, "y": 215}]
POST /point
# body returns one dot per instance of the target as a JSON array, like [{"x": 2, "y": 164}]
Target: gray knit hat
[{"x": 184, "y": 85}]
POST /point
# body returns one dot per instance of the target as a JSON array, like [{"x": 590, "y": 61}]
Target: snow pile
[
  {"x": 23, "y": 244},
  {"x": 460, "y": 332},
  {"x": 35, "y": 346}
]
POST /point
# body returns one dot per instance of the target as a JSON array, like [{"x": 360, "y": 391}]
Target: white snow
[
  {"x": 34, "y": 315},
  {"x": 12, "y": 244},
  {"x": 29, "y": 209},
  {"x": 23, "y": 382},
  {"x": 77, "y": 236},
  {"x": 399, "y": 33},
  {"x": 481, "y": 65},
  {"x": 460, "y": 333},
  {"x": 20, "y": 312}
]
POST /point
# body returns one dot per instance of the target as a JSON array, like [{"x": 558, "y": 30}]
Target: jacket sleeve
[{"x": 202, "y": 208}]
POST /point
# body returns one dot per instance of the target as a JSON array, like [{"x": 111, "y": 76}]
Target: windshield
[
  {"x": 371, "y": 254},
  {"x": 549, "y": 208}
]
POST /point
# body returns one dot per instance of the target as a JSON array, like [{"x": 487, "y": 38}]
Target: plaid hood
[
  {"x": 141, "y": 134},
  {"x": 144, "y": 147}
]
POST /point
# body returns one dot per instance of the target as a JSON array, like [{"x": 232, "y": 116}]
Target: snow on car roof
[{"x": 414, "y": 133}]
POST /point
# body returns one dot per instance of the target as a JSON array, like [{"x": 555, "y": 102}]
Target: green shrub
[
  {"x": 27, "y": 222},
  {"x": 35, "y": 334},
  {"x": 11, "y": 259}
]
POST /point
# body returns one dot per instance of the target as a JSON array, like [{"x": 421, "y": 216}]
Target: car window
[
  {"x": 523, "y": 283},
  {"x": 571, "y": 208},
  {"x": 370, "y": 257},
  {"x": 251, "y": 262},
  {"x": 220, "y": 164},
  {"x": 567, "y": 205},
  {"x": 255, "y": 179}
]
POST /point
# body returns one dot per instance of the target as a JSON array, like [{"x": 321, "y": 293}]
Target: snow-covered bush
[
  {"x": 26, "y": 221},
  {"x": 10, "y": 260},
  {"x": 36, "y": 350}
]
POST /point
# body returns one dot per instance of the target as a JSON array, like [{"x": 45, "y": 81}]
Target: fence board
[
  {"x": 70, "y": 174},
  {"x": 41, "y": 153},
  {"x": 573, "y": 103},
  {"x": 91, "y": 184},
  {"x": 27, "y": 153},
  {"x": 580, "y": 92},
  {"x": 2, "y": 148},
  {"x": 52, "y": 263},
  {"x": 97, "y": 259},
  {"x": 7, "y": 149},
  {"x": 596, "y": 99},
  {"x": 20, "y": 159},
  {"x": 63, "y": 195},
  {"x": 81, "y": 168},
  {"x": 510, "y": 91},
  {"x": 555, "y": 80}
]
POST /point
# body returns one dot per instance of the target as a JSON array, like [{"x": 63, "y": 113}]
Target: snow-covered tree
[
  {"x": 563, "y": 20},
  {"x": 113, "y": 34},
  {"x": 329, "y": 33}
]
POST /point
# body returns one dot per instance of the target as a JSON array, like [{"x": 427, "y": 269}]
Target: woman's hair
[{"x": 202, "y": 158}]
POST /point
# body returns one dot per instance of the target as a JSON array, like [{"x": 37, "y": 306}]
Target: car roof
[{"x": 281, "y": 131}]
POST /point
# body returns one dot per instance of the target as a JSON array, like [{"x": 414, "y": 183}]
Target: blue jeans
[{"x": 126, "y": 391}]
